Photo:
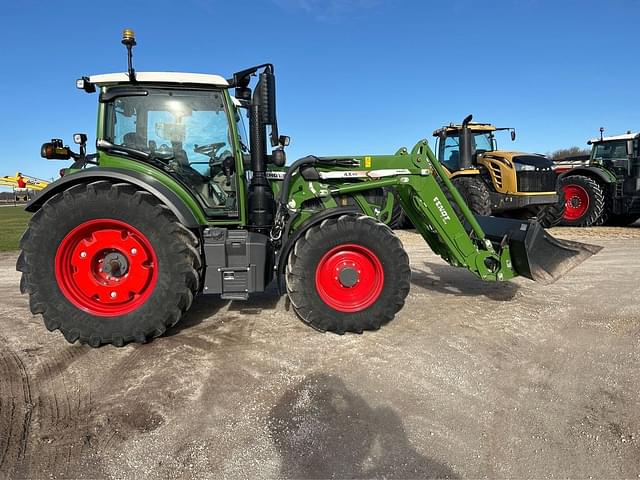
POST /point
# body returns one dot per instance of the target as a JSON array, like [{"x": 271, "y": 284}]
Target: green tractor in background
[
  {"x": 604, "y": 189},
  {"x": 179, "y": 201}
]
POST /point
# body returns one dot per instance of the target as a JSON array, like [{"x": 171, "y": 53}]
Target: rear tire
[
  {"x": 398, "y": 217},
  {"x": 475, "y": 194},
  {"x": 348, "y": 275},
  {"x": 76, "y": 233},
  {"x": 584, "y": 201}
]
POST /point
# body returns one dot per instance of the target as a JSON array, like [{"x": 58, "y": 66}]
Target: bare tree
[{"x": 568, "y": 152}]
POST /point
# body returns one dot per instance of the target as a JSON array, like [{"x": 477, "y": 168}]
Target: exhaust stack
[{"x": 467, "y": 144}]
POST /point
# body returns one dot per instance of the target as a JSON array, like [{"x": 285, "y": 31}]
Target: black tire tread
[
  {"x": 182, "y": 243},
  {"x": 475, "y": 194},
  {"x": 300, "y": 275},
  {"x": 551, "y": 215}
]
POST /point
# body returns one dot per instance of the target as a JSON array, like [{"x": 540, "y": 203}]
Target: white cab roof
[
  {"x": 626, "y": 136},
  {"x": 165, "y": 77}
]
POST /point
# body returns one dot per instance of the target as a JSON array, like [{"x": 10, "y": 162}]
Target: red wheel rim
[
  {"x": 349, "y": 278},
  {"x": 106, "y": 267},
  {"x": 577, "y": 201}
]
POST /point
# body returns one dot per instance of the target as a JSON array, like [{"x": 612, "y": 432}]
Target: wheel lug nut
[
  {"x": 83, "y": 254},
  {"x": 113, "y": 294}
]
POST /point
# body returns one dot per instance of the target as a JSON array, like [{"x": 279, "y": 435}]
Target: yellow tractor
[{"x": 497, "y": 182}]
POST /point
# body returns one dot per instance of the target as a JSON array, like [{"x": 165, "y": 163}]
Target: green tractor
[
  {"x": 605, "y": 188},
  {"x": 179, "y": 202}
]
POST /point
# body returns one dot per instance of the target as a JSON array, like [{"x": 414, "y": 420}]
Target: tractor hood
[{"x": 534, "y": 160}]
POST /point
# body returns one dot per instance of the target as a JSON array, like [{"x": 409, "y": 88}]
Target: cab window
[
  {"x": 450, "y": 156},
  {"x": 187, "y": 133}
]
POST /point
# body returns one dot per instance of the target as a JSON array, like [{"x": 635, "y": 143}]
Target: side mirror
[
  {"x": 284, "y": 140},
  {"x": 243, "y": 93},
  {"x": 54, "y": 150},
  {"x": 513, "y": 135},
  {"x": 266, "y": 90},
  {"x": 278, "y": 157}
]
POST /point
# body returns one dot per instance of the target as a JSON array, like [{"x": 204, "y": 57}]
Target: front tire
[
  {"x": 475, "y": 194},
  {"x": 108, "y": 264},
  {"x": 551, "y": 215},
  {"x": 348, "y": 275}
]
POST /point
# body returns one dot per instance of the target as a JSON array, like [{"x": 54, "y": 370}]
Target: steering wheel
[{"x": 210, "y": 150}]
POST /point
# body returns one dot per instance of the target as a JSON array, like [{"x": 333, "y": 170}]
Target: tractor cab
[
  {"x": 189, "y": 126},
  {"x": 184, "y": 124},
  {"x": 469, "y": 145},
  {"x": 618, "y": 153},
  {"x": 483, "y": 139}
]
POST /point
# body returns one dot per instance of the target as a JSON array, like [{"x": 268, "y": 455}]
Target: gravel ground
[{"x": 471, "y": 379}]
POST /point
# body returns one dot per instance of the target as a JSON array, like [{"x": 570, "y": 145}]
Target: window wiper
[{"x": 109, "y": 147}]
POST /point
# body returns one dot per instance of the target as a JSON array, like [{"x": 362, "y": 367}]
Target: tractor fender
[
  {"x": 146, "y": 182},
  {"x": 596, "y": 173},
  {"x": 315, "y": 220}
]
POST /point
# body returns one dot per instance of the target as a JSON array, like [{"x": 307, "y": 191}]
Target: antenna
[{"x": 129, "y": 40}]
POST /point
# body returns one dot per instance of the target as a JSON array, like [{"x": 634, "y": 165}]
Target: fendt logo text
[{"x": 443, "y": 213}]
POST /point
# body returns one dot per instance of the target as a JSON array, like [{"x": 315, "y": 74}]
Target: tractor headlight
[
  {"x": 84, "y": 84},
  {"x": 522, "y": 167},
  {"x": 79, "y": 138}
]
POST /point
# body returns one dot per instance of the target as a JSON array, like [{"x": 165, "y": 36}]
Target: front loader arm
[
  {"x": 425, "y": 202},
  {"x": 491, "y": 248}
]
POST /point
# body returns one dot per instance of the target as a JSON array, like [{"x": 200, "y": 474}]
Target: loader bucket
[{"x": 535, "y": 253}]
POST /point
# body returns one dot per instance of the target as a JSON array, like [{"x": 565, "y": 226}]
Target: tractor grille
[
  {"x": 495, "y": 168},
  {"x": 541, "y": 181}
]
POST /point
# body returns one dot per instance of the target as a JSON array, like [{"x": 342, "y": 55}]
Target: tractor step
[{"x": 235, "y": 296}]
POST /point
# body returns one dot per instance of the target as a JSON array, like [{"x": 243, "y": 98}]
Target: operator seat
[
  {"x": 133, "y": 140},
  {"x": 180, "y": 154},
  {"x": 453, "y": 164}
]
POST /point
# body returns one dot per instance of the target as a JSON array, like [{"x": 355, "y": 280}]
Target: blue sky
[{"x": 354, "y": 76}]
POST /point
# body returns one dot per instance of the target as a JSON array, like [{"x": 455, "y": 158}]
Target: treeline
[
  {"x": 9, "y": 196},
  {"x": 568, "y": 152}
]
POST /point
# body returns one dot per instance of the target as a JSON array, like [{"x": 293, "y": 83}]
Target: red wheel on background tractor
[
  {"x": 119, "y": 269},
  {"x": 584, "y": 201},
  {"x": 348, "y": 275}
]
